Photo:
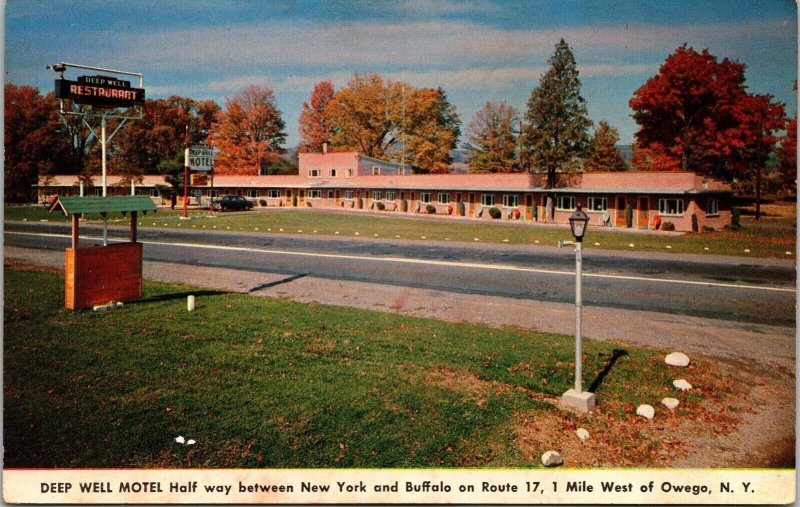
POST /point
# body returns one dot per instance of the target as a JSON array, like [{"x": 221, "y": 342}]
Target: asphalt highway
[{"x": 736, "y": 289}]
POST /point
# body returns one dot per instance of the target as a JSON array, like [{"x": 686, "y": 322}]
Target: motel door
[
  {"x": 302, "y": 199},
  {"x": 620, "y": 222},
  {"x": 470, "y": 204},
  {"x": 642, "y": 212},
  {"x": 336, "y": 198},
  {"x": 528, "y": 207}
]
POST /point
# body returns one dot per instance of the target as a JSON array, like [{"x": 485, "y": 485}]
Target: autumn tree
[
  {"x": 315, "y": 124},
  {"x": 492, "y": 140},
  {"x": 32, "y": 142},
  {"x": 787, "y": 157},
  {"x": 686, "y": 111},
  {"x": 390, "y": 120},
  {"x": 752, "y": 139},
  {"x": 603, "y": 153},
  {"x": 248, "y": 133},
  {"x": 430, "y": 130},
  {"x": 157, "y": 141},
  {"x": 557, "y": 122}
]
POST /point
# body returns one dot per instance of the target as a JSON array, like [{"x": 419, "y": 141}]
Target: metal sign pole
[
  {"x": 578, "y": 309},
  {"x": 105, "y": 174},
  {"x": 186, "y": 175}
]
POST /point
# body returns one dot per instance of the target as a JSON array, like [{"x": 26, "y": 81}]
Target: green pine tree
[{"x": 556, "y": 133}]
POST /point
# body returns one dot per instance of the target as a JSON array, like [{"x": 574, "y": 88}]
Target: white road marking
[{"x": 400, "y": 260}]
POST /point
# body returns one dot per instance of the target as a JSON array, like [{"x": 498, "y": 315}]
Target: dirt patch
[
  {"x": 470, "y": 386},
  {"x": 22, "y": 265},
  {"x": 706, "y": 416}
]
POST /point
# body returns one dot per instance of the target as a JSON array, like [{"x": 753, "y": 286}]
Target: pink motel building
[{"x": 348, "y": 180}]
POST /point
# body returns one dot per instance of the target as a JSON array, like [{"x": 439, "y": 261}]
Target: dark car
[{"x": 233, "y": 203}]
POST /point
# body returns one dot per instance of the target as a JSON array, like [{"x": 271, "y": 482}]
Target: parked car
[{"x": 233, "y": 203}]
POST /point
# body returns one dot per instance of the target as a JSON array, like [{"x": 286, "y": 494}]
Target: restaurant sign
[{"x": 103, "y": 91}]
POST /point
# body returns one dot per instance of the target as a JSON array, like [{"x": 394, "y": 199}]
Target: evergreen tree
[
  {"x": 557, "y": 120},
  {"x": 603, "y": 152}
]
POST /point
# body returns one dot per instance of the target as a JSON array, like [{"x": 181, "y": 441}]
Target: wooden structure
[{"x": 95, "y": 275}]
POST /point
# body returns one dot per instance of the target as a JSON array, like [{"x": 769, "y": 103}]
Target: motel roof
[{"x": 72, "y": 180}]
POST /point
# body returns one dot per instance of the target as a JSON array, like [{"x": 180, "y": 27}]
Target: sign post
[{"x": 186, "y": 175}]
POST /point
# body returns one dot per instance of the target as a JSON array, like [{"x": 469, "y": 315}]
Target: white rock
[
  {"x": 746, "y": 250},
  {"x": 597, "y": 244},
  {"x": 551, "y": 459},
  {"x": 582, "y": 433},
  {"x": 788, "y": 252},
  {"x": 190, "y": 442},
  {"x": 670, "y": 403},
  {"x": 681, "y": 384},
  {"x": 631, "y": 245},
  {"x": 677, "y": 359},
  {"x": 180, "y": 439},
  {"x": 646, "y": 411}
]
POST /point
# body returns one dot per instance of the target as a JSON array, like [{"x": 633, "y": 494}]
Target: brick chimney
[{"x": 324, "y": 148}]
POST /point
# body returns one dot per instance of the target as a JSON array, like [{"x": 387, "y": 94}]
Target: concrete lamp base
[{"x": 583, "y": 402}]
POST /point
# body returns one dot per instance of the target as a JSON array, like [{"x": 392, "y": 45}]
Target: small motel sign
[{"x": 201, "y": 158}]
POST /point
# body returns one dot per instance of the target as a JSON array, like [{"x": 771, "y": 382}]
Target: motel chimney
[{"x": 325, "y": 148}]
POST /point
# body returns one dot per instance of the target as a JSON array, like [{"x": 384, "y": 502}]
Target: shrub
[
  {"x": 736, "y": 216},
  {"x": 695, "y": 227},
  {"x": 495, "y": 213},
  {"x": 430, "y": 208},
  {"x": 294, "y": 200},
  {"x": 667, "y": 226},
  {"x": 462, "y": 210},
  {"x": 360, "y": 203},
  {"x": 708, "y": 228},
  {"x": 380, "y": 206},
  {"x": 262, "y": 202},
  {"x": 403, "y": 205},
  {"x": 628, "y": 215}
]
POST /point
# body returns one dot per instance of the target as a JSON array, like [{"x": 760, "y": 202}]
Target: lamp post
[{"x": 576, "y": 398}]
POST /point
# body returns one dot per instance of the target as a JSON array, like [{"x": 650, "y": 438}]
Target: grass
[
  {"x": 273, "y": 383},
  {"x": 770, "y": 237}
]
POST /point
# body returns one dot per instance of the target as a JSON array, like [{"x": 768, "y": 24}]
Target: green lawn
[
  {"x": 273, "y": 383},
  {"x": 770, "y": 237}
]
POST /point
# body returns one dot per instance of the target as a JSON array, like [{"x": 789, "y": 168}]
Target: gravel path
[{"x": 761, "y": 358}]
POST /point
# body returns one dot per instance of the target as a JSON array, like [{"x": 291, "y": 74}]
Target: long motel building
[{"x": 349, "y": 180}]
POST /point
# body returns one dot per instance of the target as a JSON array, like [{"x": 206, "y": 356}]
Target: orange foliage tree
[
  {"x": 248, "y": 133},
  {"x": 315, "y": 124}
]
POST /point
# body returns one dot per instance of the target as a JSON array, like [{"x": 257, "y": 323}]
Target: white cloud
[{"x": 408, "y": 45}]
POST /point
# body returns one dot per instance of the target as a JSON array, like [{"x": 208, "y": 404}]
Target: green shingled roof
[{"x": 97, "y": 205}]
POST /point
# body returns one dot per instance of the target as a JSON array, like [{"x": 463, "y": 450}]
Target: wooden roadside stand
[{"x": 95, "y": 275}]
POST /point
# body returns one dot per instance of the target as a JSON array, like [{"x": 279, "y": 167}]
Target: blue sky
[{"x": 476, "y": 50}]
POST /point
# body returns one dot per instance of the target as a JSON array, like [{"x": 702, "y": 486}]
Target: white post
[
  {"x": 105, "y": 174},
  {"x": 133, "y": 187},
  {"x": 81, "y": 190},
  {"x": 578, "y": 307}
]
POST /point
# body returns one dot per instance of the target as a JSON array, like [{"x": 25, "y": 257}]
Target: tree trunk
[{"x": 758, "y": 191}]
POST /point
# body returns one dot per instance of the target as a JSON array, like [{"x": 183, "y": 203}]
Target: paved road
[{"x": 735, "y": 289}]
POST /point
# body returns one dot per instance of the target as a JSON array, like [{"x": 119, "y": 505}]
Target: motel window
[
  {"x": 98, "y": 192},
  {"x": 348, "y": 194},
  {"x": 565, "y": 202},
  {"x": 444, "y": 198},
  {"x": 315, "y": 194},
  {"x": 313, "y": 173},
  {"x": 510, "y": 200},
  {"x": 376, "y": 195},
  {"x": 712, "y": 207},
  {"x": 670, "y": 206},
  {"x": 487, "y": 199},
  {"x": 273, "y": 193},
  {"x": 330, "y": 194},
  {"x": 332, "y": 173},
  {"x": 208, "y": 192},
  {"x": 348, "y": 173},
  {"x": 425, "y": 197},
  {"x": 376, "y": 170},
  {"x": 390, "y": 196},
  {"x": 597, "y": 204},
  {"x": 253, "y": 194}
]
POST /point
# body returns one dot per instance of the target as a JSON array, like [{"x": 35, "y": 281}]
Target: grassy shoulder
[
  {"x": 769, "y": 237},
  {"x": 273, "y": 383}
]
